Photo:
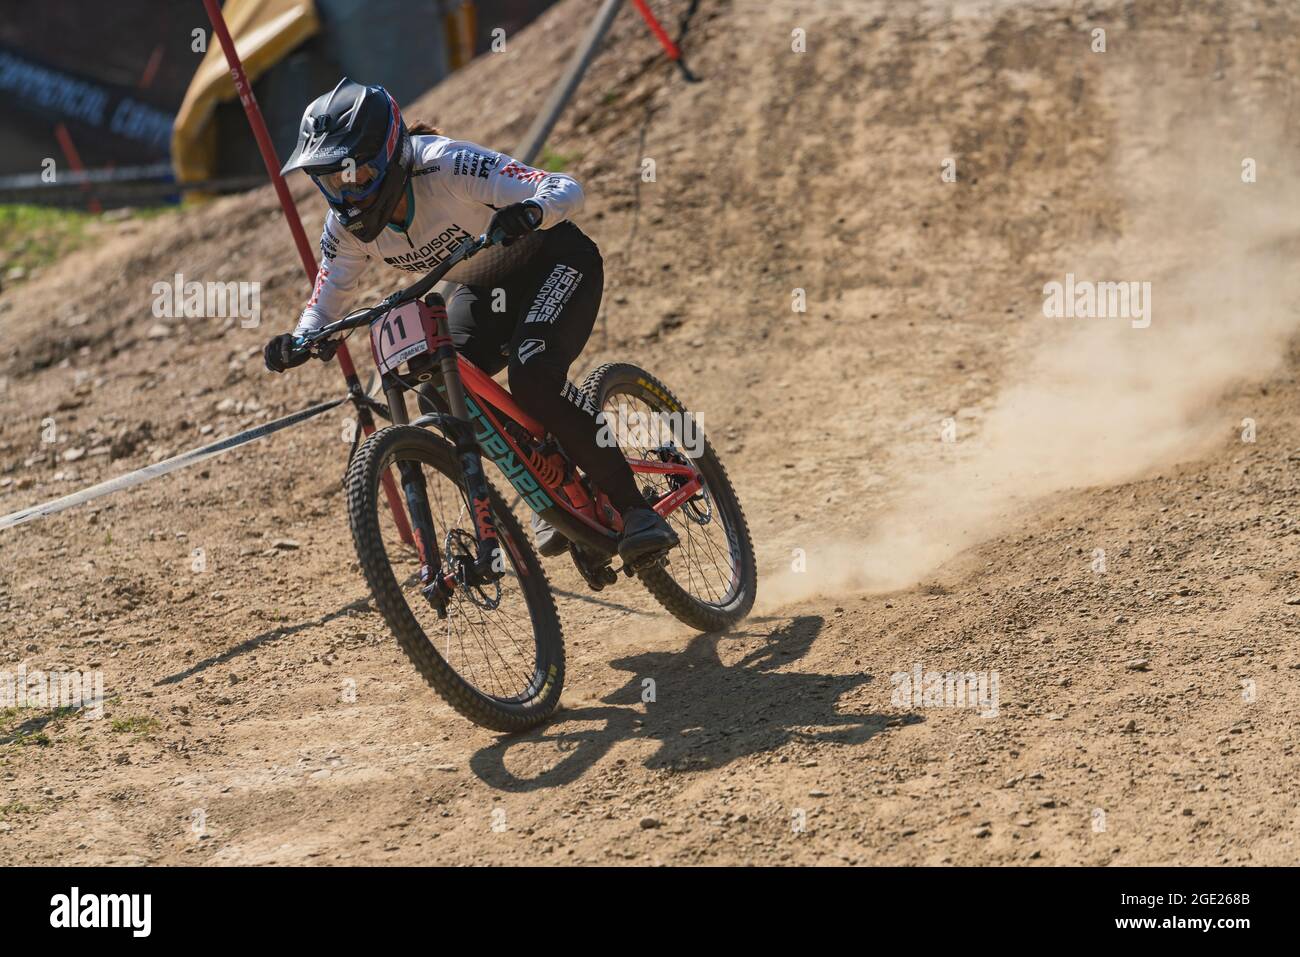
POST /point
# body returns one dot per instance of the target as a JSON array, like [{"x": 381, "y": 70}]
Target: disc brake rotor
[{"x": 459, "y": 548}]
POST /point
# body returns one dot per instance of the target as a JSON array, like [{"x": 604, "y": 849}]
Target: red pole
[
  {"x": 267, "y": 149},
  {"x": 669, "y": 47},
  {"x": 74, "y": 160}
]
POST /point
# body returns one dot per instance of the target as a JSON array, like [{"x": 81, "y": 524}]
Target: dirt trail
[{"x": 1146, "y": 691}]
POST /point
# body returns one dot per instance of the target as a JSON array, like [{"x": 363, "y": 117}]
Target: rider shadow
[{"x": 705, "y": 713}]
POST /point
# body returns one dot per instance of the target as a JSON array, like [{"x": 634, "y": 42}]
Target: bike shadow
[
  {"x": 264, "y": 638},
  {"x": 705, "y": 713}
]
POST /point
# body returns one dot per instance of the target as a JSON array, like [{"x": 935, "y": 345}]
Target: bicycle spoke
[
  {"x": 493, "y": 648},
  {"x": 706, "y": 563}
]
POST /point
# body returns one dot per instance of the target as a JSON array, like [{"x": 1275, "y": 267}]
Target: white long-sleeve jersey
[{"x": 455, "y": 188}]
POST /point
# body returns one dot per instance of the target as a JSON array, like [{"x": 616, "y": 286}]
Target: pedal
[
  {"x": 646, "y": 562},
  {"x": 596, "y": 576}
]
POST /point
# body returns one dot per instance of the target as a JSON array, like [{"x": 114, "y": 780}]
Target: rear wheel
[
  {"x": 711, "y": 578},
  {"x": 498, "y": 655}
]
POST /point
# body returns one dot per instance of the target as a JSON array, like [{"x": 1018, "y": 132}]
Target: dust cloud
[{"x": 1097, "y": 401}]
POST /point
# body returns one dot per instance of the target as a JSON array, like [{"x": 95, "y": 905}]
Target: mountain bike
[{"x": 453, "y": 574}]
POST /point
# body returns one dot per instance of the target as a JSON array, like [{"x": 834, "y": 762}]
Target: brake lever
[{"x": 322, "y": 349}]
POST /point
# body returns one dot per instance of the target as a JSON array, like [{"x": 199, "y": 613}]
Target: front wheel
[
  {"x": 497, "y": 656},
  {"x": 711, "y": 578}
]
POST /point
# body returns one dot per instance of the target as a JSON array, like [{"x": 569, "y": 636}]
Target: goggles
[{"x": 352, "y": 184}]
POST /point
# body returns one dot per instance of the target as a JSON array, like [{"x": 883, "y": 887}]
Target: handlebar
[{"x": 316, "y": 338}]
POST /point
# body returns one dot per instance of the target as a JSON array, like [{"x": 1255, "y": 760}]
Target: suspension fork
[
  {"x": 489, "y": 564},
  {"x": 416, "y": 492}
]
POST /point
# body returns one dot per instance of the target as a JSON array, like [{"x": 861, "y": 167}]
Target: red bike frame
[
  {"x": 592, "y": 523},
  {"x": 489, "y": 396}
]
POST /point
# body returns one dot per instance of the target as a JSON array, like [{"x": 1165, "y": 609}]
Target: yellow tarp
[{"x": 264, "y": 31}]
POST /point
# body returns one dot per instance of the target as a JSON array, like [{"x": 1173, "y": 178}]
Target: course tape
[{"x": 184, "y": 460}]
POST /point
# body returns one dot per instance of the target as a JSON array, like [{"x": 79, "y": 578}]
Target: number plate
[{"x": 401, "y": 335}]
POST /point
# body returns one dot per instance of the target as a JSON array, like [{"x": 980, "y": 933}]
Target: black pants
[{"x": 537, "y": 321}]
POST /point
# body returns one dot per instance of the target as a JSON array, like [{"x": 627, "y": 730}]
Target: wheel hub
[
  {"x": 460, "y": 549},
  {"x": 699, "y": 507}
]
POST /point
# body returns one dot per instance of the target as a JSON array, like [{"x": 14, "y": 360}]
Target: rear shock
[{"x": 544, "y": 458}]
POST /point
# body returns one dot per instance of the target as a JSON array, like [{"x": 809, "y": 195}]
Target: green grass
[
  {"x": 136, "y": 725},
  {"x": 22, "y": 726},
  {"x": 14, "y": 807},
  {"x": 35, "y": 236},
  {"x": 32, "y": 237},
  {"x": 11, "y": 719},
  {"x": 26, "y": 726},
  {"x": 554, "y": 162}
]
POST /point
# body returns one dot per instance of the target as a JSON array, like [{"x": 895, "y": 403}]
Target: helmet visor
[{"x": 352, "y": 183}]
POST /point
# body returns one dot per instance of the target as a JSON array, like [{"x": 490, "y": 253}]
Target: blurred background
[{"x": 139, "y": 111}]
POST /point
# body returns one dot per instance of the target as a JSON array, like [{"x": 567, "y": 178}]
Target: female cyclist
[{"x": 410, "y": 198}]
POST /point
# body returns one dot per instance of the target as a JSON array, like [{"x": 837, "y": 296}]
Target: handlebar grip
[{"x": 325, "y": 348}]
